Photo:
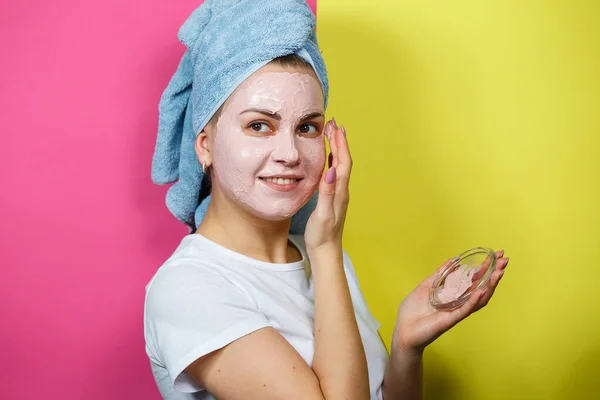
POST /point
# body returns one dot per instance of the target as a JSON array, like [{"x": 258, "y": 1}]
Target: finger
[
  {"x": 488, "y": 260},
  {"x": 502, "y": 263},
  {"x": 344, "y": 169},
  {"x": 491, "y": 288},
  {"x": 483, "y": 268},
  {"x": 468, "y": 308},
  {"x": 492, "y": 284},
  {"x": 486, "y": 263},
  {"x": 481, "y": 271},
  {"x": 330, "y": 133},
  {"x": 451, "y": 318},
  {"x": 324, "y": 208},
  {"x": 344, "y": 159}
]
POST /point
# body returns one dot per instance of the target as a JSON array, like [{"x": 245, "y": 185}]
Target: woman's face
[{"x": 268, "y": 149}]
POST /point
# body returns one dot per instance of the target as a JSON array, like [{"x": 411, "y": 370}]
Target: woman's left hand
[{"x": 418, "y": 323}]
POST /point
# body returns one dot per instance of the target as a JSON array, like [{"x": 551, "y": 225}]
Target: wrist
[
  {"x": 406, "y": 353},
  {"x": 325, "y": 251}
]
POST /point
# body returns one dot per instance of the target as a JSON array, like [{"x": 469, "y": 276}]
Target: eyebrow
[
  {"x": 277, "y": 117},
  {"x": 312, "y": 115}
]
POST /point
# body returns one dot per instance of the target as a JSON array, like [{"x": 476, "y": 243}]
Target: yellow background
[{"x": 477, "y": 123}]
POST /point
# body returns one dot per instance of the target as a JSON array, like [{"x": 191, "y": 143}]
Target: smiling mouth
[{"x": 281, "y": 181}]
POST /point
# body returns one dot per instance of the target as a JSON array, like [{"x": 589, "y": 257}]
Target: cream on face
[{"x": 271, "y": 165}]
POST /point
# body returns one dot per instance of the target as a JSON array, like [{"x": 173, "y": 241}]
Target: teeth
[{"x": 280, "y": 181}]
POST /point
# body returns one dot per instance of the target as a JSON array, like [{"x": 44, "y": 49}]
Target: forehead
[{"x": 277, "y": 86}]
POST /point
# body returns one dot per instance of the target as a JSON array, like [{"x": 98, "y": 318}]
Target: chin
[
  {"x": 274, "y": 214},
  {"x": 282, "y": 209}
]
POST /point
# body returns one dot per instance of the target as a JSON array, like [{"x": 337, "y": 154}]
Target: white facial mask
[{"x": 271, "y": 169}]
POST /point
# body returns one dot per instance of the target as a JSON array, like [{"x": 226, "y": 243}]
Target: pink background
[{"x": 82, "y": 228}]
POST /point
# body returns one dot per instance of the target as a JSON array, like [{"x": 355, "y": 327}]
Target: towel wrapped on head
[{"x": 227, "y": 41}]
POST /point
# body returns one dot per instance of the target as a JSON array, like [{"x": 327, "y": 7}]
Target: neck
[{"x": 236, "y": 229}]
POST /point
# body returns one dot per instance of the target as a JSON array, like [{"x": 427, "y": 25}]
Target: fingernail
[
  {"x": 334, "y": 123},
  {"x": 501, "y": 253},
  {"x": 343, "y": 130},
  {"x": 328, "y": 129},
  {"x": 330, "y": 176}
]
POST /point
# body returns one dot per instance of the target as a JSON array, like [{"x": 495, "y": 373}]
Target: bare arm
[
  {"x": 339, "y": 361},
  {"x": 403, "y": 377},
  {"x": 261, "y": 365}
]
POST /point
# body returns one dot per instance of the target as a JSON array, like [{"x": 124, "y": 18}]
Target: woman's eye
[
  {"x": 309, "y": 129},
  {"x": 260, "y": 127}
]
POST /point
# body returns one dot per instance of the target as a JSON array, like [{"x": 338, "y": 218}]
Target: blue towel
[{"x": 226, "y": 41}]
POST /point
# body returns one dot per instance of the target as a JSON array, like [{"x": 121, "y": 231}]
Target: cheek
[
  {"x": 250, "y": 156},
  {"x": 313, "y": 154},
  {"x": 238, "y": 152}
]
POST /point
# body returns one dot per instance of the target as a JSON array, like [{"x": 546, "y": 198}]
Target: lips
[
  {"x": 281, "y": 180},
  {"x": 284, "y": 183}
]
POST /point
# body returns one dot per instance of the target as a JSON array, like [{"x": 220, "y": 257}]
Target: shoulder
[
  {"x": 189, "y": 275},
  {"x": 185, "y": 277}
]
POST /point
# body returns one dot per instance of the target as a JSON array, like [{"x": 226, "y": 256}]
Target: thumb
[
  {"x": 326, "y": 193},
  {"x": 462, "y": 312}
]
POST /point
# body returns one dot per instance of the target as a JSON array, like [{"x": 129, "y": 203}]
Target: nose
[{"x": 285, "y": 151}]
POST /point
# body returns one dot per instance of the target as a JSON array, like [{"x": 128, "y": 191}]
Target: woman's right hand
[{"x": 325, "y": 225}]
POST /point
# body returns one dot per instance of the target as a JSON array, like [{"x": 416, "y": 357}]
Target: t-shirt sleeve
[
  {"x": 192, "y": 310},
  {"x": 360, "y": 304}
]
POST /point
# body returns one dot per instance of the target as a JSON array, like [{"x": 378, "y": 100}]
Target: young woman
[{"x": 245, "y": 310}]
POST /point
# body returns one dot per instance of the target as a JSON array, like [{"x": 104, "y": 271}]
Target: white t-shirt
[{"x": 205, "y": 296}]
